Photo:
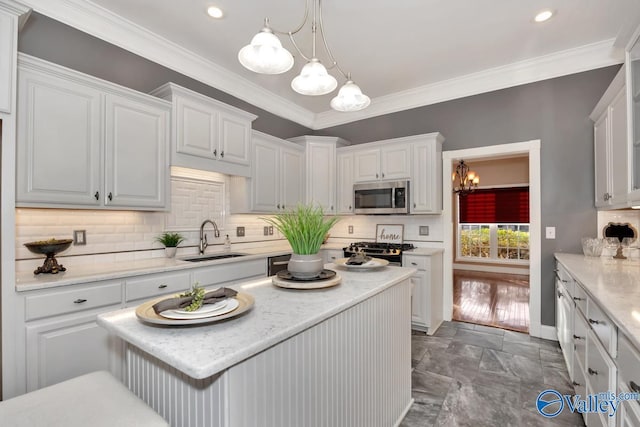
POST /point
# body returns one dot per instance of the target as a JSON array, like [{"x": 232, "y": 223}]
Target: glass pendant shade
[
  {"x": 314, "y": 80},
  {"x": 265, "y": 54},
  {"x": 350, "y": 98}
]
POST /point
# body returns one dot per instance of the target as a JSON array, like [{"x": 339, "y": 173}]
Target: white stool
[{"x": 95, "y": 399}]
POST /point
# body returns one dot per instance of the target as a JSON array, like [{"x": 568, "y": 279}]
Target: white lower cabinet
[
  {"x": 64, "y": 347},
  {"x": 426, "y": 296},
  {"x": 344, "y": 188},
  {"x": 564, "y": 324}
]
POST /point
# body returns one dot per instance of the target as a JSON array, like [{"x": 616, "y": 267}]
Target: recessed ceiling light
[
  {"x": 215, "y": 12},
  {"x": 543, "y": 16}
]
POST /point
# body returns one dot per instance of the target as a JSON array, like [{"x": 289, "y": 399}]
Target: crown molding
[
  {"x": 101, "y": 23},
  {"x": 104, "y": 24},
  {"x": 571, "y": 61}
]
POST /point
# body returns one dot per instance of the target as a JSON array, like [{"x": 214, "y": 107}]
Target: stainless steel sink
[{"x": 212, "y": 257}]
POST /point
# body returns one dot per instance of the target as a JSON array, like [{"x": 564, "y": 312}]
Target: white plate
[
  {"x": 206, "y": 308},
  {"x": 373, "y": 263},
  {"x": 203, "y": 312}
]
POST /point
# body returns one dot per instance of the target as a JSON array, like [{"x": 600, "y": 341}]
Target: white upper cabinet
[
  {"x": 426, "y": 177},
  {"x": 389, "y": 162},
  {"x": 320, "y": 170},
  {"x": 277, "y": 178},
  {"x": 136, "y": 152},
  {"x": 611, "y": 146},
  {"x": 11, "y": 14},
  {"x": 632, "y": 65},
  {"x": 344, "y": 187},
  {"x": 208, "y": 134},
  {"x": 83, "y": 142}
]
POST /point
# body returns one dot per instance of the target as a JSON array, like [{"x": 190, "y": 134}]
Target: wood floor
[{"x": 500, "y": 300}]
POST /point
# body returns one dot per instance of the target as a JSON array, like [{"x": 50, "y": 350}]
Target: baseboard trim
[{"x": 548, "y": 333}]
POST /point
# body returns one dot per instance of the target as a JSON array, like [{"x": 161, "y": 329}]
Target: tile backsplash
[{"x": 195, "y": 196}]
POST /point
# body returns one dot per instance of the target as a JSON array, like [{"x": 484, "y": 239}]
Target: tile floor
[{"x": 474, "y": 375}]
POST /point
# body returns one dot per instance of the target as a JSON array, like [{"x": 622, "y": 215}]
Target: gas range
[{"x": 392, "y": 252}]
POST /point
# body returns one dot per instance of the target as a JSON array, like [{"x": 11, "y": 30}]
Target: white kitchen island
[{"x": 338, "y": 356}]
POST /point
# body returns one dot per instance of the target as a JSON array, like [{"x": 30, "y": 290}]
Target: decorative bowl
[
  {"x": 593, "y": 246},
  {"x": 49, "y": 248}
]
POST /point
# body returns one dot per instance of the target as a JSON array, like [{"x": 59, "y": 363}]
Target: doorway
[{"x": 530, "y": 150}]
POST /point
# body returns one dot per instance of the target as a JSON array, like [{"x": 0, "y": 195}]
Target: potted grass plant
[
  {"x": 305, "y": 227},
  {"x": 170, "y": 242}
]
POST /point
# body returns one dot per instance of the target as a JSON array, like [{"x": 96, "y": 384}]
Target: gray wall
[
  {"x": 53, "y": 41},
  {"x": 555, "y": 111}
]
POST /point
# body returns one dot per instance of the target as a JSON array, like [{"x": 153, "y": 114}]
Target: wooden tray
[
  {"x": 146, "y": 313},
  {"x": 315, "y": 284}
]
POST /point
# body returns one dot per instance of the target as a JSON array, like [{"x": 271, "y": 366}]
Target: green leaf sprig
[{"x": 197, "y": 293}]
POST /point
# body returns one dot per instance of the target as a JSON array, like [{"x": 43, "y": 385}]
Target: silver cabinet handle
[
  {"x": 383, "y": 174},
  {"x": 414, "y": 205},
  {"x": 278, "y": 206},
  {"x": 578, "y": 299},
  {"x": 559, "y": 294},
  {"x": 414, "y": 263},
  {"x": 162, "y": 286},
  {"x": 97, "y": 195},
  {"x": 596, "y": 322},
  {"x": 592, "y": 372},
  {"x": 110, "y": 196},
  {"x": 349, "y": 207},
  {"x": 80, "y": 301},
  {"x": 280, "y": 263},
  {"x": 575, "y": 337},
  {"x": 222, "y": 154},
  {"x": 575, "y": 384},
  {"x": 215, "y": 152},
  {"x": 377, "y": 176}
]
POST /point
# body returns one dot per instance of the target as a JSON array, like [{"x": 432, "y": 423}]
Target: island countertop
[
  {"x": 614, "y": 284},
  {"x": 278, "y": 314}
]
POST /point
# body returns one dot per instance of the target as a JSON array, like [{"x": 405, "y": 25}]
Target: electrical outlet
[
  {"x": 266, "y": 230},
  {"x": 240, "y": 231},
  {"x": 423, "y": 230},
  {"x": 271, "y": 230},
  {"x": 351, "y": 229},
  {"x": 79, "y": 237}
]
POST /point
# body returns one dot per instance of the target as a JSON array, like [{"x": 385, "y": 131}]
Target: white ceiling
[{"x": 418, "y": 51}]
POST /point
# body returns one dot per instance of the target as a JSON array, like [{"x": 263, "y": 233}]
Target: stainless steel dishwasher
[{"x": 277, "y": 263}]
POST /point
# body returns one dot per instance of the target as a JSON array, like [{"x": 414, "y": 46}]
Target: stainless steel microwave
[{"x": 384, "y": 197}]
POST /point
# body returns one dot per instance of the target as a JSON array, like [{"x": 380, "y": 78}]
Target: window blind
[{"x": 495, "y": 206}]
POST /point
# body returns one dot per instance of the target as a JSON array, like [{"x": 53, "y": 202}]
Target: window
[{"x": 493, "y": 225}]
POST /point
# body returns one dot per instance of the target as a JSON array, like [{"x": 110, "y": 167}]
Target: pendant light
[{"x": 265, "y": 55}]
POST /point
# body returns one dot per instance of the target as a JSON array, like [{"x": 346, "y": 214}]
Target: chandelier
[
  {"x": 265, "y": 55},
  {"x": 467, "y": 180}
]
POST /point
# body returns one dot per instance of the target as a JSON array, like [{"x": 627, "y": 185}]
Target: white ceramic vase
[
  {"x": 170, "y": 252},
  {"x": 305, "y": 266}
]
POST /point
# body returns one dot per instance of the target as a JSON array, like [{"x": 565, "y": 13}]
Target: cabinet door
[
  {"x": 564, "y": 326},
  {"x": 65, "y": 347},
  {"x": 265, "y": 179},
  {"x": 426, "y": 185},
  {"x": 8, "y": 37},
  {"x": 366, "y": 165},
  {"x": 602, "y": 157},
  {"x": 136, "y": 144},
  {"x": 197, "y": 129},
  {"x": 619, "y": 149},
  {"x": 344, "y": 187},
  {"x": 396, "y": 162},
  {"x": 235, "y": 138},
  {"x": 291, "y": 178},
  {"x": 420, "y": 303},
  {"x": 321, "y": 175},
  {"x": 59, "y": 159}
]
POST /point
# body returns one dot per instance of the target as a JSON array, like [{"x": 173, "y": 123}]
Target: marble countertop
[
  {"x": 424, "y": 251},
  {"x": 278, "y": 314},
  {"x": 614, "y": 284},
  {"x": 27, "y": 281}
]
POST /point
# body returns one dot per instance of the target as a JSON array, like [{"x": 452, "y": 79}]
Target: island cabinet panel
[
  {"x": 426, "y": 296},
  {"x": 350, "y": 369}
]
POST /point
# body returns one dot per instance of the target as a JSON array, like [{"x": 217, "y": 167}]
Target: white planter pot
[
  {"x": 170, "y": 252},
  {"x": 305, "y": 266}
]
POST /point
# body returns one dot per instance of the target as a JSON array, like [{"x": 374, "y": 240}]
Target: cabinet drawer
[
  {"x": 222, "y": 273},
  {"x": 602, "y": 326},
  {"x": 565, "y": 279},
  {"x": 600, "y": 370},
  {"x": 415, "y": 261},
  {"x": 580, "y": 298},
  {"x": 156, "y": 285},
  {"x": 75, "y": 299},
  {"x": 580, "y": 337},
  {"x": 628, "y": 364}
]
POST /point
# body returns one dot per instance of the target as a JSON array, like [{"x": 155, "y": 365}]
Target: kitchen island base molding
[{"x": 352, "y": 369}]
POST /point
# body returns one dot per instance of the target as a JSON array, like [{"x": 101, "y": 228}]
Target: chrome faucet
[{"x": 203, "y": 237}]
